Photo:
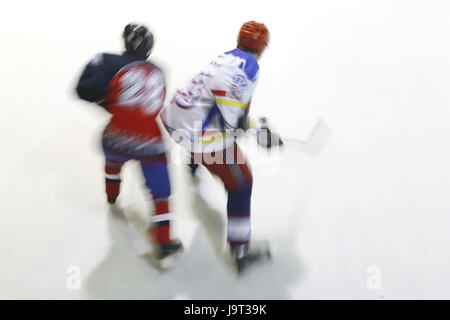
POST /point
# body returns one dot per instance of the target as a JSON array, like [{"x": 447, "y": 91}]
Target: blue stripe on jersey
[
  {"x": 212, "y": 112},
  {"x": 250, "y": 67},
  {"x": 223, "y": 122}
]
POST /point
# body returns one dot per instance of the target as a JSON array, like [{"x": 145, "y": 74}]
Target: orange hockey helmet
[{"x": 254, "y": 35}]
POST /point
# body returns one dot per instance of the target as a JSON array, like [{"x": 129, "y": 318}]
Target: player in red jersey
[{"x": 133, "y": 90}]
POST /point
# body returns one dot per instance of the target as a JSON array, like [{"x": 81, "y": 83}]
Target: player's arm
[
  {"x": 234, "y": 105},
  {"x": 232, "y": 95},
  {"x": 244, "y": 122},
  {"x": 232, "y": 110},
  {"x": 93, "y": 83}
]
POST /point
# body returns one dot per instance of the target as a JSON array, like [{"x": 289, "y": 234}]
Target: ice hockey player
[
  {"x": 133, "y": 90},
  {"x": 204, "y": 115}
]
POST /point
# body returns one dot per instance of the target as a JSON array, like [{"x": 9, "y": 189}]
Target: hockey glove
[{"x": 266, "y": 137}]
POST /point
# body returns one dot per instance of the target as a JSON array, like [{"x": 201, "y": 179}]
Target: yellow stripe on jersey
[
  {"x": 231, "y": 103},
  {"x": 213, "y": 138}
]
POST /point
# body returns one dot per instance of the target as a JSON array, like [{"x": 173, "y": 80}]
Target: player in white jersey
[{"x": 204, "y": 115}]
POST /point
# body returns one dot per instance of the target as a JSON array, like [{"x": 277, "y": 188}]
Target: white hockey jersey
[{"x": 201, "y": 113}]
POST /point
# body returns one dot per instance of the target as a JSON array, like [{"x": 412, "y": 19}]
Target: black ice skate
[
  {"x": 164, "y": 251},
  {"x": 243, "y": 256},
  {"x": 194, "y": 177},
  {"x": 111, "y": 200},
  {"x": 117, "y": 211}
]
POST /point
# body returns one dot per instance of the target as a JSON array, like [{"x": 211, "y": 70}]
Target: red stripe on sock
[
  {"x": 161, "y": 207},
  {"x": 112, "y": 189},
  {"x": 112, "y": 170},
  {"x": 160, "y": 234}
]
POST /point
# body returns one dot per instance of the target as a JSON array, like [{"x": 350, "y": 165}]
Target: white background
[{"x": 373, "y": 196}]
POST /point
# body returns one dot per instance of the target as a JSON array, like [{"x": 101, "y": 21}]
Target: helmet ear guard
[
  {"x": 253, "y": 35},
  {"x": 138, "y": 39}
]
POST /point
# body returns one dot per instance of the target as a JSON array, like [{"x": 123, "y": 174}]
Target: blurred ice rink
[{"x": 365, "y": 216}]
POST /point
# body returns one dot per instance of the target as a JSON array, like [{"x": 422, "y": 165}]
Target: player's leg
[
  {"x": 239, "y": 187},
  {"x": 114, "y": 161},
  {"x": 158, "y": 182},
  {"x": 237, "y": 179},
  {"x": 112, "y": 180}
]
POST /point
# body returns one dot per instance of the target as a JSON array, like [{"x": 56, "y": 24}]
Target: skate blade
[
  {"x": 252, "y": 259},
  {"x": 166, "y": 264},
  {"x": 170, "y": 262},
  {"x": 117, "y": 212}
]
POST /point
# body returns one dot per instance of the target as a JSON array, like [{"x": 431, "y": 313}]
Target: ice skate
[
  {"x": 116, "y": 211},
  {"x": 111, "y": 201},
  {"x": 243, "y": 256},
  {"x": 195, "y": 181},
  {"x": 168, "y": 253}
]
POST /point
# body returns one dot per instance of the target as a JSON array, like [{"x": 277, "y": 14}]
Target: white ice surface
[{"x": 374, "y": 191}]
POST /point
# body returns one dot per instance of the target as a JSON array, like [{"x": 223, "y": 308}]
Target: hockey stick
[
  {"x": 311, "y": 138},
  {"x": 292, "y": 141}
]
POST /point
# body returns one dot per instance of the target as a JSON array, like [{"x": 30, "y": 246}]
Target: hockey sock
[
  {"x": 112, "y": 179},
  {"x": 161, "y": 221},
  {"x": 238, "y": 208}
]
